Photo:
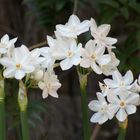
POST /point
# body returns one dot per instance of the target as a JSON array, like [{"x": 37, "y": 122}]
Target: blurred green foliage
[{"x": 123, "y": 15}]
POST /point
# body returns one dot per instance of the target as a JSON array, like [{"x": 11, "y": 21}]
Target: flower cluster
[{"x": 119, "y": 97}]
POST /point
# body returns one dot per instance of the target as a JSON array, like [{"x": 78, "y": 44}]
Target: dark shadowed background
[{"x": 61, "y": 119}]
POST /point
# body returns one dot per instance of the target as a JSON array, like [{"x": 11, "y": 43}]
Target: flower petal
[
  {"x": 130, "y": 109},
  {"x": 128, "y": 77},
  {"x": 19, "y": 74},
  {"x": 121, "y": 115},
  {"x": 94, "y": 105}
]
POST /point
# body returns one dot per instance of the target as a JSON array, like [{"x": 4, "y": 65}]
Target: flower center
[
  {"x": 18, "y": 66},
  {"x": 70, "y": 54},
  {"x": 122, "y": 104},
  {"x": 93, "y": 56},
  {"x": 122, "y": 84}
]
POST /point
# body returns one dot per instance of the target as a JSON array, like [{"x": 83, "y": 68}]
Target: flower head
[
  {"x": 123, "y": 104},
  {"x": 101, "y": 108},
  {"x": 100, "y": 34},
  {"x": 73, "y": 27},
  {"x": 19, "y": 64},
  {"x": 49, "y": 84},
  {"x": 93, "y": 56}
]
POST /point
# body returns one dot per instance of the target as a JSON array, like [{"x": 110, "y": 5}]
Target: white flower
[
  {"x": 93, "y": 56},
  {"x": 120, "y": 82},
  {"x": 123, "y": 104},
  {"x": 47, "y": 54},
  {"x": 110, "y": 67},
  {"x": 36, "y": 58},
  {"x": 100, "y": 34},
  {"x": 19, "y": 64},
  {"x": 6, "y": 44},
  {"x": 70, "y": 54},
  {"x": 101, "y": 108},
  {"x": 73, "y": 27},
  {"x": 50, "y": 84}
]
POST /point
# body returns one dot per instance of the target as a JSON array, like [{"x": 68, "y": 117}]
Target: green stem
[
  {"x": 84, "y": 103},
  {"x": 24, "y": 125},
  {"x": 23, "y": 102},
  {"x": 122, "y": 130},
  {"x": 2, "y": 111}
]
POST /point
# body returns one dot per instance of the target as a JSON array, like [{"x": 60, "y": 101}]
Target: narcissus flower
[
  {"x": 19, "y": 64},
  {"x": 101, "y": 108},
  {"x": 6, "y": 43},
  {"x": 100, "y": 34},
  {"x": 49, "y": 84},
  {"x": 120, "y": 82},
  {"x": 73, "y": 27},
  {"x": 123, "y": 104},
  {"x": 93, "y": 56}
]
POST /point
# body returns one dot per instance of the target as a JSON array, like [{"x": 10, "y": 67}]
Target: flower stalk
[
  {"x": 122, "y": 129},
  {"x": 2, "y": 110},
  {"x": 23, "y": 102},
  {"x": 84, "y": 103}
]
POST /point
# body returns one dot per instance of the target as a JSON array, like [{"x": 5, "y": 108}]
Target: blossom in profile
[{"x": 73, "y": 27}]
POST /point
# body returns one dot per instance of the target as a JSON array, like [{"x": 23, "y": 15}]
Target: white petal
[
  {"x": 7, "y": 62},
  {"x": 130, "y": 109},
  {"x": 110, "y": 83},
  {"x": 110, "y": 40},
  {"x": 112, "y": 98},
  {"x": 73, "y": 20},
  {"x": 19, "y": 74},
  {"x": 95, "y": 117},
  {"x": 94, "y": 105},
  {"x": 51, "y": 41},
  {"x": 113, "y": 108},
  {"x": 104, "y": 29},
  {"x": 41, "y": 85},
  {"x": 103, "y": 119},
  {"x": 85, "y": 63},
  {"x": 93, "y": 26},
  {"x": 54, "y": 94},
  {"x": 44, "y": 94},
  {"x": 133, "y": 98},
  {"x": 66, "y": 64},
  {"x": 83, "y": 27},
  {"x": 117, "y": 76},
  {"x": 121, "y": 115},
  {"x": 100, "y": 97},
  {"x": 5, "y": 39},
  {"x": 128, "y": 78},
  {"x": 103, "y": 60},
  {"x": 9, "y": 72},
  {"x": 96, "y": 68},
  {"x": 28, "y": 68}
]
